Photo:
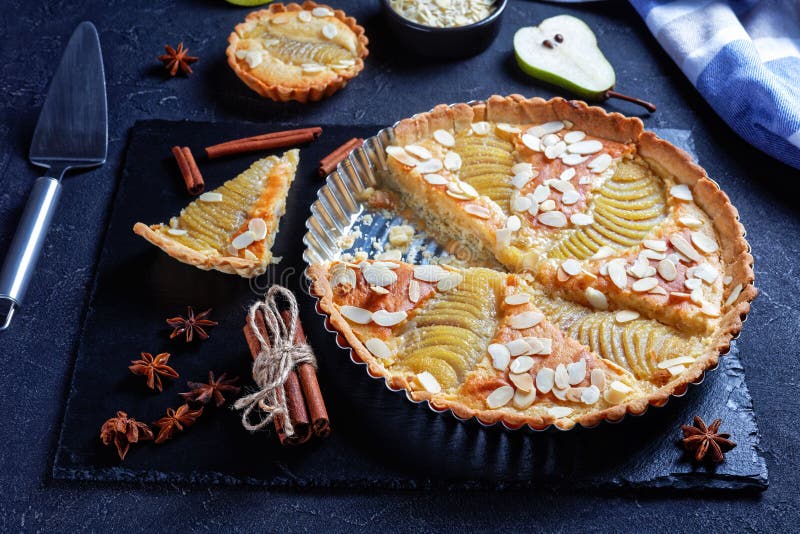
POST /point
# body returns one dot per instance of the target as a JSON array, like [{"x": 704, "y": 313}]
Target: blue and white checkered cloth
[{"x": 744, "y": 58}]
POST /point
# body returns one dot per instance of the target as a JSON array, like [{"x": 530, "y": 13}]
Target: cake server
[{"x": 72, "y": 133}]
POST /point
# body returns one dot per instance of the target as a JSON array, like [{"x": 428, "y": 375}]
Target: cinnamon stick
[
  {"x": 264, "y": 142},
  {"x": 329, "y": 162},
  {"x": 320, "y": 423},
  {"x": 189, "y": 170},
  {"x": 292, "y": 393}
]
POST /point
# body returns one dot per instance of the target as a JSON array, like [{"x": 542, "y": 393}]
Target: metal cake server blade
[{"x": 72, "y": 133}]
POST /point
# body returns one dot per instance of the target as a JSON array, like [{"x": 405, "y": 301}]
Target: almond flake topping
[
  {"x": 548, "y": 205},
  {"x": 513, "y": 223},
  {"x": 655, "y": 244},
  {"x": 735, "y": 292},
  {"x": 598, "y": 378},
  {"x": 522, "y": 167},
  {"x": 481, "y": 128},
  {"x": 211, "y": 197},
  {"x": 559, "y": 411},
  {"x": 478, "y": 211},
  {"x": 546, "y": 128},
  {"x": 520, "y": 204},
  {"x": 499, "y": 397},
  {"x": 570, "y": 197},
  {"x": 555, "y": 219},
  {"x": 552, "y": 152},
  {"x": 561, "y": 186},
  {"x": 444, "y": 138},
  {"x": 176, "y": 231},
  {"x": 545, "y": 379},
  {"x": 378, "y": 348},
  {"x": 312, "y": 68},
  {"x": 524, "y": 320},
  {"x": 704, "y": 243},
  {"x": 414, "y": 291},
  {"x": 321, "y": 12},
  {"x": 617, "y": 274},
  {"x": 304, "y": 16},
  {"x": 258, "y": 226},
  {"x": 581, "y": 219},
  {"x": 600, "y": 163},
  {"x": 429, "y": 273},
  {"x": 592, "y": 146},
  {"x": 706, "y": 273},
  {"x": 521, "y": 179},
  {"x": 386, "y": 318},
  {"x": 667, "y": 270},
  {"x": 690, "y": 222},
  {"x": 517, "y": 299},
  {"x": 571, "y": 266},
  {"x": 461, "y": 191},
  {"x": 574, "y": 136},
  {"x": 507, "y": 128},
  {"x": 329, "y": 31},
  {"x": 573, "y": 159},
  {"x": 684, "y": 247},
  {"x": 378, "y": 275},
  {"x": 400, "y": 154},
  {"x": 626, "y": 316},
  {"x": 243, "y": 240},
  {"x": 435, "y": 179},
  {"x": 355, "y": 314},
  {"x": 596, "y": 298},
  {"x": 561, "y": 377},
  {"x": 568, "y": 174},
  {"x": 576, "y": 372},
  {"x": 617, "y": 391},
  {"x": 523, "y": 364},
  {"x": 680, "y": 360},
  {"x": 590, "y": 395},
  {"x": 602, "y": 252},
  {"x": 531, "y": 142},
  {"x": 419, "y": 151},
  {"x": 500, "y": 356},
  {"x": 523, "y": 382},
  {"x": 550, "y": 140},
  {"x": 503, "y": 237},
  {"x": 541, "y": 193},
  {"x": 379, "y": 290},
  {"x": 681, "y": 192},
  {"x": 429, "y": 382},
  {"x": 539, "y": 345},
  {"x": 693, "y": 283},
  {"x": 452, "y": 161},
  {"x": 644, "y": 285},
  {"x": 642, "y": 269},
  {"x": 523, "y": 400},
  {"x": 429, "y": 165},
  {"x": 517, "y": 347},
  {"x": 449, "y": 282}
]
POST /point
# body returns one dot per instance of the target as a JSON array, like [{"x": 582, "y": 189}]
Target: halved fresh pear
[{"x": 563, "y": 51}]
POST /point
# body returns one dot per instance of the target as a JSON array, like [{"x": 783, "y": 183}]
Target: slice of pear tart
[
  {"x": 232, "y": 228},
  {"x": 631, "y": 258}
]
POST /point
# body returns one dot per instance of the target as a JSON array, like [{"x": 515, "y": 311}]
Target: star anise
[
  {"x": 706, "y": 442},
  {"x": 153, "y": 369},
  {"x": 176, "y": 421},
  {"x": 177, "y": 59},
  {"x": 214, "y": 389},
  {"x": 191, "y": 324},
  {"x": 122, "y": 431}
]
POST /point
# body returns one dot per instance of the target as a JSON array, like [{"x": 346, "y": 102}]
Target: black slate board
[{"x": 379, "y": 438}]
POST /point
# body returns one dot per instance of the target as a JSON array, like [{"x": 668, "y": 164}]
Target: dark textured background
[{"x": 37, "y": 352}]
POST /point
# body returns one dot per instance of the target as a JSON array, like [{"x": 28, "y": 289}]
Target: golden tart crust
[
  {"x": 664, "y": 335},
  {"x": 203, "y": 234},
  {"x": 297, "y": 52}
]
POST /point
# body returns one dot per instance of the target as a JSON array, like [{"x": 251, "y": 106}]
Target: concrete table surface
[{"x": 37, "y": 353}]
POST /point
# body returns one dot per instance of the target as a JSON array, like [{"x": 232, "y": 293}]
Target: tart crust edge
[{"x": 313, "y": 90}]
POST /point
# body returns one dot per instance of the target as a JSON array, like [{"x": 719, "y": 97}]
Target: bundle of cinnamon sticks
[{"x": 302, "y": 394}]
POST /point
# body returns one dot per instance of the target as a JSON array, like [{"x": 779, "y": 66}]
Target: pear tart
[
  {"x": 635, "y": 258},
  {"x": 232, "y": 228},
  {"x": 297, "y": 52}
]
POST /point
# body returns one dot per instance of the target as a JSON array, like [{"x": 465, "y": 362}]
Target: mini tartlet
[{"x": 297, "y": 52}]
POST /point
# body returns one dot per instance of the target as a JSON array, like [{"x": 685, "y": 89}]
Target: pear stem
[{"x": 645, "y": 104}]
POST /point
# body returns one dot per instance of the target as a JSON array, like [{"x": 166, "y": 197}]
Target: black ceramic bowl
[{"x": 461, "y": 41}]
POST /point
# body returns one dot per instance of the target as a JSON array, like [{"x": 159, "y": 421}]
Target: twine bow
[{"x": 277, "y": 358}]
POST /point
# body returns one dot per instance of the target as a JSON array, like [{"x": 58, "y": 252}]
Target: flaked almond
[
  {"x": 690, "y": 222},
  {"x": 679, "y": 296},
  {"x": 501, "y": 356},
  {"x": 521, "y": 179},
  {"x": 481, "y": 128},
  {"x": 571, "y": 266},
  {"x": 574, "y": 136},
  {"x": 734, "y": 294},
  {"x": 429, "y": 273},
  {"x": 596, "y": 298},
  {"x": 545, "y": 379},
  {"x": 378, "y": 348},
  {"x": 550, "y": 140},
  {"x": 429, "y": 382},
  {"x": 499, "y": 397},
  {"x": 507, "y": 128},
  {"x": 617, "y": 391},
  {"x": 617, "y": 274},
  {"x": 523, "y": 400},
  {"x": 692, "y": 283},
  {"x": 570, "y": 197},
  {"x": 667, "y": 270},
  {"x": 680, "y": 360},
  {"x": 684, "y": 247},
  {"x": 329, "y": 31},
  {"x": 429, "y": 166},
  {"x": 476, "y": 210},
  {"x": 644, "y": 285},
  {"x": 419, "y": 151},
  {"x": 590, "y": 395},
  {"x": 414, "y": 291},
  {"x": 598, "y": 379},
  {"x": 567, "y": 174},
  {"x": 400, "y": 154},
  {"x": 524, "y": 320},
  {"x": 444, "y": 138},
  {"x": 576, "y": 372},
  {"x": 435, "y": 179},
  {"x": 243, "y": 240},
  {"x": 176, "y": 231},
  {"x": 602, "y": 252},
  {"x": 321, "y": 12},
  {"x": 626, "y": 316},
  {"x": 540, "y": 130},
  {"x": 552, "y": 152},
  {"x": 378, "y": 275},
  {"x": 590, "y": 146},
  {"x": 517, "y": 299},
  {"x": 581, "y": 219},
  {"x": 522, "y": 167},
  {"x": 523, "y": 364},
  {"x": 531, "y": 142},
  {"x": 559, "y": 412},
  {"x": 210, "y": 196},
  {"x": 502, "y": 237},
  {"x": 706, "y": 273},
  {"x": 523, "y": 382},
  {"x": 461, "y": 191},
  {"x": 548, "y": 205},
  {"x": 572, "y": 159},
  {"x": 355, "y": 314},
  {"x": 520, "y": 204},
  {"x": 513, "y": 223},
  {"x": 704, "y": 243},
  {"x": 379, "y": 290},
  {"x": 452, "y": 161},
  {"x": 561, "y": 377},
  {"x": 554, "y": 219},
  {"x": 655, "y": 244},
  {"x": 541, "y": 193},
  {"x": 600, "y": 163},
  {"x": 518, "y": 347},
  {"x": 387, "y": 318},
  {"x": 449, "y": 282},
  {"x": 258, "y": 226},
  {"x": 681, "y": 192}
]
